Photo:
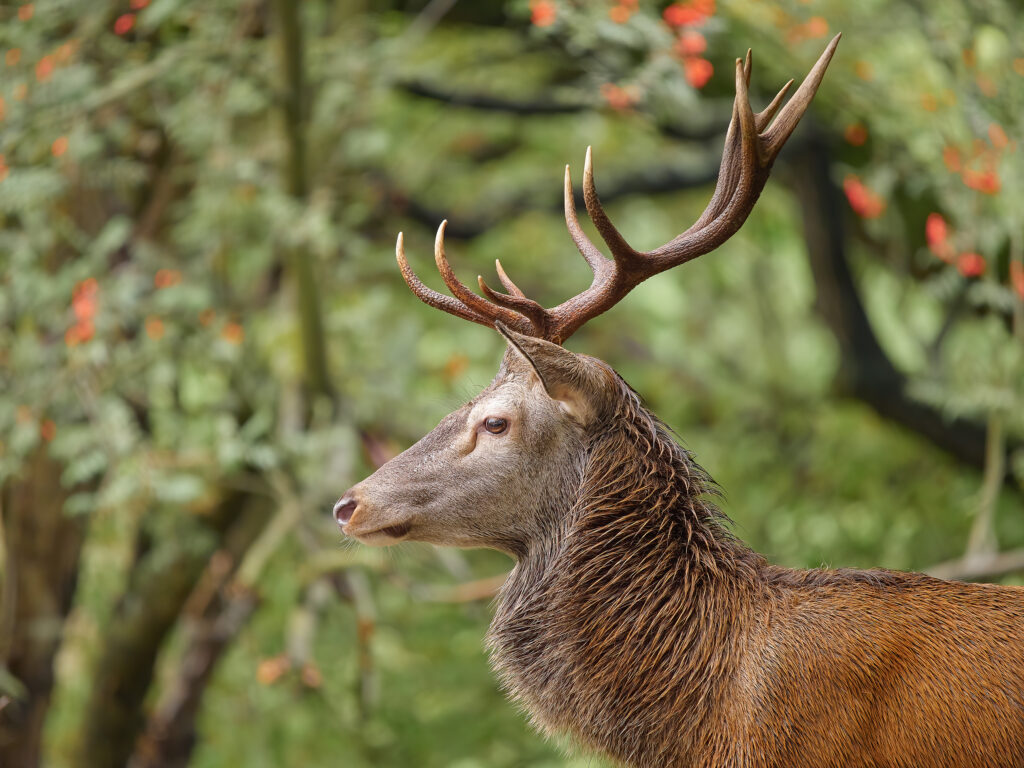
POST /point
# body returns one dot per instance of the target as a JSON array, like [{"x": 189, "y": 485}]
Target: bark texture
[{"x": 41, "y": 557}]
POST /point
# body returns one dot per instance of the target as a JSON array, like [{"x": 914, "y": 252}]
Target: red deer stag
[{"x": 633, "y": 619}]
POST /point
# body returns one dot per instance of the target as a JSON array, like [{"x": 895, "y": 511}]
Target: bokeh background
[{"x": 204, "y": 339}]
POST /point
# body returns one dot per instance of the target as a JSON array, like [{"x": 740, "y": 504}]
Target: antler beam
[{"x": 751, "y": 146}]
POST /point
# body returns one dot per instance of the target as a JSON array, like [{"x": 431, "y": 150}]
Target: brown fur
[{"x": 651, "y": 634}]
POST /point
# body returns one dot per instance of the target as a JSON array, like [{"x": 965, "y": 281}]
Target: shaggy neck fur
[{"x": 639, "y": 606}]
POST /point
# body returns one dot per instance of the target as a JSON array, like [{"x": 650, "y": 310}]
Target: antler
[{"x": 751, "y": 146}]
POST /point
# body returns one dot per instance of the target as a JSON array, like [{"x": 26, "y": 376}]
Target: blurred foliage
[{"x": 150, "y": 333}]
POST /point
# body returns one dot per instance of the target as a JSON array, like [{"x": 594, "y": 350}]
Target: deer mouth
[{"x": 388, "y": 534}]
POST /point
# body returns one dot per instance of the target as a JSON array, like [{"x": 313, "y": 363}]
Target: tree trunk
[
  {"x": 161, "y": 581},
  {"x": 42, "y": 546},
  {"x": 218, "y": 610}
]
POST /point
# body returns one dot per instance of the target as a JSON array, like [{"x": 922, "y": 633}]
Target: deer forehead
[
  {"x": 503, "y": 401},
  {"x": 513, "y": 396}
]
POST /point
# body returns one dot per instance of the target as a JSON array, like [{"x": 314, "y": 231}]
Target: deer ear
[{"x": 566, "y": 377}]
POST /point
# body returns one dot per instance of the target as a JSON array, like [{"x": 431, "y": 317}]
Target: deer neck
[{"x": 626, "y": 628}]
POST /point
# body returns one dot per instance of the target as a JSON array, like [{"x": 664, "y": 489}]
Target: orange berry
[
  {"x": 855, "y": 134},
  {"x": 986, "y": 182},
  {"x": 64, "y": 52},
  {"x": 25, "y": 12},
  {"x": 1017, "y": 277},
  {"x": 684, "y": 14},
  {"x": 987, "y": 85},
  {"x": 617, "y": 98},
  {"x": 971, "y": 264},
  {"x": 691, "y": 43},
  {"x": 311, "y": 676},
  {"x": 270, "y": 670},
  {"x": 154, "y": 328},
  {"x": 233, "y": 333},
  {"x": 48, "y": 430},
  {"x": 998, "y": 136},
  {"x": 865, "y": 203},
  {"x": 44, "y": 69},
  {"x": 124, "y": 24},
  {"x": 81, "y": 331},
  {"x": 951, "y": 157},
  {"x": 816, "y": 26},
  {"x": 84, "y": 299},
  {"x": 12, "y": 57},
  {"x": 698, "y": 71},
  {"x": 935, "y": 230},
  {"x": 619, "y": 14},
  {"x": 165, "y": 278},
  {"x": 542, "y": 13},
  {"x": 59, "y": 146},
  {"x": 863, "y": 70},
  {"x": 455, "y": 366}
]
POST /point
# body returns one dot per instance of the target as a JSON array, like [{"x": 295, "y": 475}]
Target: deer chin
[{"x": 379, "y": 537}]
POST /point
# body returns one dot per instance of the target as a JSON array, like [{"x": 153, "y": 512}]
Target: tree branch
[
  {"x": 709, "y": 129},
  {"x": 980, "y": 567},
  {"x": 488, "y": 103},
  {"x": 648, "y": 181}
]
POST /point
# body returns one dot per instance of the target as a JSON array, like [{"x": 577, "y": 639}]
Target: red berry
[
  {"x": 124, "y": 24},
  {"x": 971, "y": 264}
]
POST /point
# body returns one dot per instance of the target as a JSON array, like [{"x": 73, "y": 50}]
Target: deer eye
[{"x": 494, "y": 425}]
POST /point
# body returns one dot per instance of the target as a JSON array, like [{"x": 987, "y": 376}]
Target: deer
[{"x": 634, "y": 620}]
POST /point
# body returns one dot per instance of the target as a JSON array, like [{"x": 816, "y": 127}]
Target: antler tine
[
  {"x": 428, "y": 295},
  {"x": 786, "y": 122},
  {"x": 593, "y": 256},
  {"x": 476, "y": 304},
  {"x": 476, "y": 309},
  {"x": 534, "y": 312},
  {"x": 511, "y": 287},
  {"x": 765, "y": 116},
  {"x": 622, "y": 252}
]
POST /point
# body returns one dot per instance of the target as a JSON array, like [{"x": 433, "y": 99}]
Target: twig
[
  {"x": 428, "y": 18},
  {"x": 980, "y": 567},
  {"x": 647, "y": 181},
  {"x": 488, "y": 103},
  {"x": 982, "y": 539},
  {"x": 467, "y": 592},
  {"x": 361, "y": 596},
  {"x": 709, "y": 129},
  {"x": 9, "y": 595}
]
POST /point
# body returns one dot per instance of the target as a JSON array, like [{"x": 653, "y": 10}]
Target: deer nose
[{"x": 345, "y": 508}]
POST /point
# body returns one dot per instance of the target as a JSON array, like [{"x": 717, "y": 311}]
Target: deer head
[{"x": 500, "y": 471}]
